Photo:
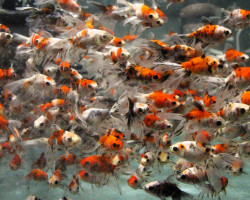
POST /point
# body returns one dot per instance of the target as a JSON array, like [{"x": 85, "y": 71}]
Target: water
[{"x": 13, "y": 185}]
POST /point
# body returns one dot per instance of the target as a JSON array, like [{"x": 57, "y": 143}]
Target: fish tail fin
[
  {"x": 166, "y": 66},
  {"x": 183, "y": 196},
  {"x": 174, "y": 79}
]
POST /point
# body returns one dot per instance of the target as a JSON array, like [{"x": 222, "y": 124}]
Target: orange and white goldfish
[{"x": 238, "y": 18}]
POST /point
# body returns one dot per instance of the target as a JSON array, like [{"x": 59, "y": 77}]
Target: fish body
[{"x": 165, "y": 189}]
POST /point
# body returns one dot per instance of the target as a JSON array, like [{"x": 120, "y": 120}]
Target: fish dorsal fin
[
  {"x": 206, "y": 93},
  {"x": 206, "y": 20}
]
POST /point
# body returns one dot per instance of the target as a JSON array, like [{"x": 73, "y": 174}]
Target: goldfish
[
  {"x": 117, "y": 55},
  {"x": 234, "y": 110},
  {"x": 245, "y": 98},
  {"x": 193, "y": 175},
  {"x": 155, "y": 123},
  {"x": 232, "y": 55},
  {"x": 160, "y": 99},
  {"x": 203, "y": 118},
  {"x": 238, "y": 18},
  {"x": 35, "y": 82},
  {"x": 142, "y": 73},
  {"x": 191, "y": 151},
  {"x": 65, "y": 139},
  {"x": 164, "y": 189},
  {"x": 4, "y": 28},
  {"x": 135, "y": 181},
  {"x": 41, "y": 162},
  {"x": 209, "y": 100},
  {"x": 6, "y": 74},
  {"x": 74, "y": 185},
  {"x": 211, "y": 34},
  {"x": 111, "y": 142},
  {"x": 235, "y": 130},
  {"x": 89, "y": 178},
  {"x": 37, "y": 175},
  {"x": 223, "y": 148},
  {"x": 55, "y": 179},
  {"x": 97, "y": 164},
  {"x": 109, "y": 11},
  {"x": 141, "y": 11},
  {"x": 5, "y": 39},
  {"x": 202, "y": 65},
  {"x": 118, "y": 42},
  {"x": 69, "y": 5},
  {"x": 182, "y": 165},
  {"x": 16, "y": 162},
  {"x": 91, "y": 37}
]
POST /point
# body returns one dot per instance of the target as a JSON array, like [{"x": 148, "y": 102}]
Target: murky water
[{"x": 14, "y": 186}]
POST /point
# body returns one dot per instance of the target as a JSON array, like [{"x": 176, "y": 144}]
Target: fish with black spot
[{"x": 165, "y": 189}]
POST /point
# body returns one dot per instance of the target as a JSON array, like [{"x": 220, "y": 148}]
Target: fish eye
[
  {"x": 242, "y": 110},
  {"x": 70, "y": 139},
  {"x": 158, "y": 22},
  {"x": 218, "y": 123},
  {"x": 122, "y": 54},
  {"x": 220, "y": 66},
  {"x": 135, "y": 181},
  {"x": 155, "y": 77},
  {"x": 241, "y": 170},
  {"x": 140, "y": 110},
  {"x": 226, "y": 32},
  {"x": 8, "y": 37},
  {"x": 70, "y": 189},
  {"x": 36, "y": 41},
  {"x": 86, "y": 175},
  {"x": 114, "y": 144},
  {"x": 77, "y": 188},
  {"x": 175, "y": 149},
  {"x": 183, "y": 176},
  {"x": 90, "y": 86},
  {"x": 150, "y": 16},
  {"x": 243, "y": 58},
  {"x": 173, "y": 103},
  {"x": 248, "y": 16},
  {"x": 119, "y": 42},
  {"x": 47, "y": 83},
  {"x": 147, "y": 160},
  {"x": 56, "y": 182},
  {"x": 87, "y": 163},
  {"x": 42, "y": 124},
  {"x": 104, "y": 37},
  {"x": 151, "y": 188},
  {"x": 14, "y": 75},
  {"x": 168, "y": 126}
]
